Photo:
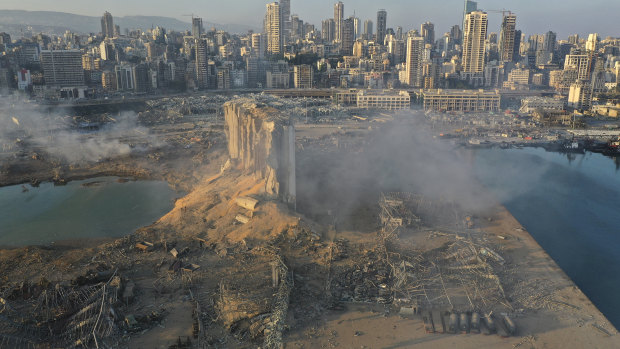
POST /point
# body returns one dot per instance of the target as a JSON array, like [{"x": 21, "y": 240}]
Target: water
[
  {"x": 106, "y": 208},
  {"x": 569, "y": 203}
]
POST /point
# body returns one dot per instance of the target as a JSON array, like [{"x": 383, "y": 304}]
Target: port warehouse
[
  {"x": 436, "y": 100},
  {"x": 461, "y": 100}
]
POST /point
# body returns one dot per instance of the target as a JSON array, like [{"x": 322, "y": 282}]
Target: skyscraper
[
  {"x": 470, "y": 6},
  {"x": 202, "y": 63},
  {"x": 427, "y": 30},
  {"x": 415, "y": 52},
  {"x": 273, "y": 29},
  {"x": 338, "y": 19},
  {"x": 507, "y": 38},
  {"x": 592, "y": 42},
  {"x": 196, "y": 27},
  {"x": 258, "y": 45},
  {"x": 348, "y": 34},
  {"x": 549, "y": 42},
  {"x": 356, "y": 27},
  {"x": 474, "y": 48},
  {"x": 328, "y": 29},
  {"x": 285, "y": 13},
  {"x": 107, "y": 25},
  {"x": 368, "y": 31},
  {"x": 381, "y": 26}
]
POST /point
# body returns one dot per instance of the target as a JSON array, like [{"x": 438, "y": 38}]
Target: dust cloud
[
  {"x": 401, "y": 156},
  {"x": 63, "y": 137}
]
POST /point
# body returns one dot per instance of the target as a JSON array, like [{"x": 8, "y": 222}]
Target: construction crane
[{"x": 502, "y": 11}]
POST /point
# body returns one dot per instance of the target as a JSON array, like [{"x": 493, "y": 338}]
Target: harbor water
[
  {"x": 95, "y": 208},
  {"x": 569, "y": 203}
]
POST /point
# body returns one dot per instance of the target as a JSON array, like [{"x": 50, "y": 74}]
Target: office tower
[
  {"x": 303, "y": 76},
  {"x": 381, "y": 26},
  {"x": 415, "y": 52},
  {"x": 507, "y": 38},
  {"x": 196, "y": 27},
  {"x": 470, "y": 6},
  {"x": 338, "y": 20},
  {"x": 273, "y": 29},
  {"x": 549, "y": 42},
  {"x": 296, "y": 30},
  {"x": 427, "y": 30},
  {"x": 573, "y": 39},
  {"x": 258, "y": 45},
  {"x": 474, "y": 36},
  {"x": 516, "y": 55},
  {"x": 202, "y": 63},
  {"x": 348, "y": 36},
  {"x": 62, "y": 68},
  {"x": 285, "y": 14},
  {"x": 456, "y": 34},
  {"x": 368, "y": 31},
  {"x": 107, "y": 25},
  {"x": 592, "y": 43},
  {"x": 356, "y": 27},
  {"x": 328, "y": 30},
  {"x": 399, "y": 32}
]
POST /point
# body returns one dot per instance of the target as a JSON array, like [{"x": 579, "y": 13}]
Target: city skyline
[{"x": 562, "y": 17}]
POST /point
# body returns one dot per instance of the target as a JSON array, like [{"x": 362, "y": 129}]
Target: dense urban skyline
[{"x": 563, "y": 17}]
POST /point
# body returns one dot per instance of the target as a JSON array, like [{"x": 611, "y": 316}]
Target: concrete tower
[
  {"x": 381, "y": 26},
  {"x": 273, "y": 28},
  {"x": 507, "y": 38},
  {"x": 107, "y": 25},
  {"x": 338, "y": 20}
]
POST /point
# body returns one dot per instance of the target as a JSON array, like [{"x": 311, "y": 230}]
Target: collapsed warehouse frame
[{"x": 461, "y": 273}]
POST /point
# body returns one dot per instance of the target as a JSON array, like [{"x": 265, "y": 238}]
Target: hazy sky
[{"x": 533, "y": 16}]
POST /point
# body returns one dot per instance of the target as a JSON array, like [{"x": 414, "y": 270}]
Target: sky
[{"x": 564, "y": 17}]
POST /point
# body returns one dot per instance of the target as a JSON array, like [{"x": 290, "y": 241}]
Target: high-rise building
[
  {"x": 285, "y": 14},
  {"x": 303, "y": 76},
  {"x": 549, "y": 42},
  {"x": 573, "y": 39},
  {"x": 427, "y": 30},
  {"x": 338, "y": 20},
  {"x": 328, "y": 30},
  {"x": 368, "y": 31},
  {"x": 273, "y": 29},
  {"x": 474, "y": 46},
  {"x": 516, "y": 55},
  {"x": 592, "y": 43},
  {"x": 470, "y": 6},
  {"x": 415, "y": 52},
  {"x": 258, "y": 45},
  {"x": 296, "y": 30},
  {"x": 507, "y": 38},
  {"x": 356, "y": 27},
  {"x": 456, "y": 34},
  {"x": 62, "y": 68},
  {"x": 348, "y": 36},
  {"x": 381, "y": 26},
  {"x": 196, "y": 27},
  {"x": 202, "y": 63},
  {"x": 107, "y": 25}
]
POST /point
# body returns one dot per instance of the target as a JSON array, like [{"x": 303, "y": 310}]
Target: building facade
[
  {"x": 462, "y": 100},
  {"x": 62, "y": 67}
]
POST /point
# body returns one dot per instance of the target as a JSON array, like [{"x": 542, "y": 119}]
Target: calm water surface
[
  {"x": 570, "y": 203},
  {"x": 93, "y": 208}
]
